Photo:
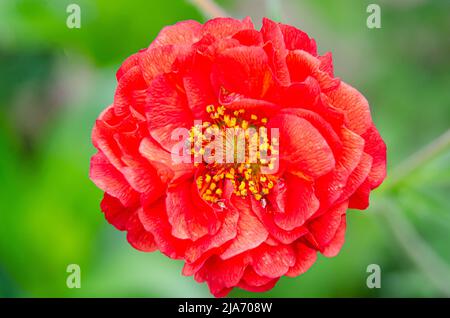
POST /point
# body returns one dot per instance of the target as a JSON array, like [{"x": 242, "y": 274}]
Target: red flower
[{"x": 233, "y": 224}]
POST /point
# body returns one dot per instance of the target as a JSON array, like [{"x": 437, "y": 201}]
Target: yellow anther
[
  {"x": 210, "y": 108},
  {"x": 212, "y": 186},
  {"x": 219, "y": 191},
  {"x": 264, "y": 120},
  {"x": 244, "y": 124},
  {"x": 221, "y": 110},
  {"x": 265, "y": 191},
  {"x": 262, "y": 178},
  {"x": 242, "y": 185},
  {"x": 199, "y": 182},
  {"x": 270, "y": 184},
  {"x": 258, "y": 196},
  {"x": 207, "y": 178}
]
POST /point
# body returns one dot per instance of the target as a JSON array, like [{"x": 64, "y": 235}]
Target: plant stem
[
  {"x": 417, "y": 250},
  {"x": 209, "y": 8},
  {"x": 417, "y": 160},
  {"x": 273, "y": 8}
]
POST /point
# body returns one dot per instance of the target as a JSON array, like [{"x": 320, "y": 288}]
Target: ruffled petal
[
  {"x": 305, "y": 258},
  {"x": 154, "y": 220},
  {"x": 110, "y": 180},
  {"x": 115, "y": 212},
  {"x": 222, "y": 275},
  {"x": 166, "y": 111},
  {"x": 355, "y": 106},
  {"x": 323, "y": 229},
  {"x": 226, "y": 27},
  {"x": 250, "y": 231},
  {"x": 293, "y": 202},
  {"x": 242, "y": 70},
  {"x": 190, "y": 218},
  {"x": 334, "y": 247},
  {"x": 138, "y": 237},
  {"x": 181, "y": 33},
  {"x": 302, "y": 146},
  {"x": 273, "y": 261}
]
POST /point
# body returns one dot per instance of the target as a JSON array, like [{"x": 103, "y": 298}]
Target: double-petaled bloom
[{"x": 242, "y": 223}]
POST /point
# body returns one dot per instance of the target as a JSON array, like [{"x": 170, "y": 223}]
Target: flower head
[{"x": 235, "y": 150}]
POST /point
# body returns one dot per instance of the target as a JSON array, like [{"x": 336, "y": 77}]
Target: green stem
[
  {"x": 434, "y": 268},
  {"x": 417, "y": 160},
  {"x": 273, "y": 8},
  {"x": 209, "y": 8}
]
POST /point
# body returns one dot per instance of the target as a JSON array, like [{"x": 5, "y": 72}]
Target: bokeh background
[{"x": 54, "y": 81}]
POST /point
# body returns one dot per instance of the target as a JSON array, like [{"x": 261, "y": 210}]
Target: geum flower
[{"x": 232, "y": 224}]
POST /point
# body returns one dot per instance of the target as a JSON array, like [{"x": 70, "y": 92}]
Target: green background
[{"x": 54, "y": 81}]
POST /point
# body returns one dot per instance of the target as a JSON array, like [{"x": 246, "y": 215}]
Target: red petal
[
  {"x": 143, "y": 178},
  {"x": 376, "y": 148},
  {"x": 276, "y": 50},
  {"x": 197, "y": 84},
  {"x": 110, "y": 180},
  {"x": 130, "y": 92},
  {"x": 158, "y": 60},
  {"x": 302, "y": 64},
  {"x": 227, "y": 232},
  {"x": 138, "y": 237},
  {"x": 225, "y": 27},
  {"x": 324, "y": 228},
  {"x": 302, "y": 146},
  {"x": 253, "y": 279},
  {"x": 360, "y": 199},
  {"x": 294, "y": 202},
  {"x": 167, "y": 169},
  {"x": 296, "y": 39},
  {"x": 250, "y": 231},
  {"x": 115, "y": 213},
  {"x": 326, "y": 64},
  {"x": 260, "y": 288},
  {"x": 181, "y": 33},
  {"x": 222, "y": 275},
  {"x": 355, "y": 105},
  {"x": 249, "y": 37},
  {"x": 154, "y": 219},
  {"x": 243, "y": 70},
  {"x": 337, "y": 242},
  {"x": 129, "y": 62},
  {"x": 357, "y": 177},
  {"x": 273, "y": 261},
  {"x": 346, "y": 161},
  {"x": 189, "y": 220},
  {"x": 266, "y": 217},
  {"x": 166, "y": 111},
  {"x": 305, "y": 258}
]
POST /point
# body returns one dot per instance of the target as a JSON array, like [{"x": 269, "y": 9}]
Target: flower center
[{"x": 234, "y": 145}]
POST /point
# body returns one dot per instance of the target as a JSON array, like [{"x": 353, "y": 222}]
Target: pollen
[{"x": 245, "y": 176}]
